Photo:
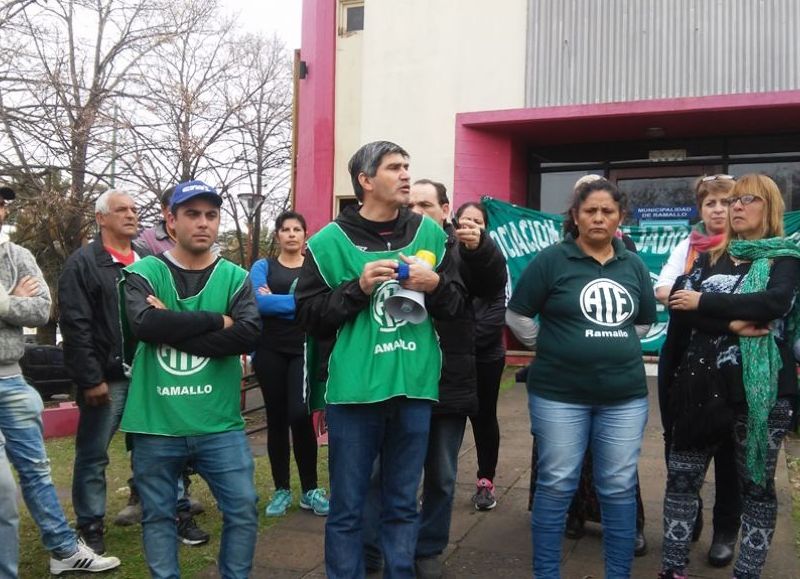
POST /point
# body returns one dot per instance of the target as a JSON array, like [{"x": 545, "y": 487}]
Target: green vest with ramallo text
[
  {"x": 174, "y": 393},
  {"x": 375, "y": 357}
]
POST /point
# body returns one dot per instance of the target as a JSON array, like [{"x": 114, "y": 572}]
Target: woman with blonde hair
[
  {"x": 709, "y": 232},
  {"x": 737, "y": 376}
]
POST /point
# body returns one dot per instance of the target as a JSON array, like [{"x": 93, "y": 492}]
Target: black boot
[
  {"x": 698, "y": 524},
  {"x": 574, "y": 528},
  {"x": 721, "y": 552},
  {"x": 92, "y": 536}
]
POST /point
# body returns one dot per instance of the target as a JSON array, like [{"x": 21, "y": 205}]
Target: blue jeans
[
  {"x": 563, "y": 431},
  {"x": 439, "y": 483},
  {"x": 9, "y": 518},
  {"x": 96, "y": 427},
  {"x": 438, "y": 489},
  {"x": 226, "y": 464},
  {"x": 397, "y": 431},
  {"x": 21, "y": 425}
]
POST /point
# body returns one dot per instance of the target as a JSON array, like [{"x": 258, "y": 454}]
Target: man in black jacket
[
  {"x": 383, "y": 370},
  {"x": 482, "y": 268},
  {"x": 89, "y": 321}
]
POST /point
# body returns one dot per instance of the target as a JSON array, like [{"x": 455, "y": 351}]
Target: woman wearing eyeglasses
[
  {"x": 711, "y": 192},
  {"x": 737, "y": 375}
]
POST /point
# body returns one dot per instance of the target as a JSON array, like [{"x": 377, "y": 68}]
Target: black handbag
[{"x": 703, "y": 418}]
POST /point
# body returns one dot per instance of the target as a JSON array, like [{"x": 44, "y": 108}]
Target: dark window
[
  {"x": 556, "y": 191},
  {"x": 554, "y": 169},
  {"x": 346, "y": 202},
  {"x": 786, "y": 176},
  {"x": 355, "y": 18}
]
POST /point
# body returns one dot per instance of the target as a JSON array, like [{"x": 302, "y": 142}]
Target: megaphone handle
[{"x": 402, "y": 271}]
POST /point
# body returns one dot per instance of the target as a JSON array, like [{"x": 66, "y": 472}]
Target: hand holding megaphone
[
  {"x": 416, "y": 277},
  {"x": 416, "y": 273}
]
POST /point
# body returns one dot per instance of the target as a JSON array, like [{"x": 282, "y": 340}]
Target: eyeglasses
[
  {"x": 721, "y": 176},
  {"x": 745, "y": 199}
]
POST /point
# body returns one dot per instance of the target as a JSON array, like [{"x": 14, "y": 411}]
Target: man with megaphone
[
  {"x": 483, "y": 270},
  {"x": 383, "y": 371}
]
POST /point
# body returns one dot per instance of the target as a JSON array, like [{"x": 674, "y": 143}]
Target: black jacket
[
  {"x": 89, "y": 303},
  {"x": 490, "y": 319},
  {"x": 709, "y": 325},
  {"x": 322, "y": 310},
  {"x": 483, "y": 271}
]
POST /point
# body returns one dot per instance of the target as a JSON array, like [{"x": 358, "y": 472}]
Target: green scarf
[{"x": 761, "y": 359}]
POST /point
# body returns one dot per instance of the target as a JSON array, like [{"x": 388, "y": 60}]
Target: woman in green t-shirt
[{"x": 587, "y": 386}]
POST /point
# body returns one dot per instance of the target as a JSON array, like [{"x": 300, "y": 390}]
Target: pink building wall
[{"x": 315, "y": 118}]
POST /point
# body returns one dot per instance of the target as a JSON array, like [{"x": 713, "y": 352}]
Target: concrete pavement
[{"x": 497, "y": 543}]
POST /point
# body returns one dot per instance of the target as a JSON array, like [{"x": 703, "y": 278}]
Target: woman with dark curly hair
[{"x": 587, "y": 386}]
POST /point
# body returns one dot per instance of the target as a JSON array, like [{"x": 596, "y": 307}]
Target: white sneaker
[{"x": 84, "y": 560}]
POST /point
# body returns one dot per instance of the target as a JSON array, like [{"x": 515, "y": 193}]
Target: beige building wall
[
  {"x": 421, "y": 62},
  {"x": 347, "y": 106}
]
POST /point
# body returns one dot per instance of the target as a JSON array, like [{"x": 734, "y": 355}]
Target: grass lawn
[{"x": 126, "y": 542}]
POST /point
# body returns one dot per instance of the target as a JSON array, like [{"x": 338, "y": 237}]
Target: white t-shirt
[{"x": 675, "y": 266}]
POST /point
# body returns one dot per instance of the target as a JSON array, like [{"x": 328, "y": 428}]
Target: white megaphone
[{"x": 408, "y": 304}]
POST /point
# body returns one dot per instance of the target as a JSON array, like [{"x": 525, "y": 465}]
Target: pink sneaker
[{"x": 484, "y": 499}]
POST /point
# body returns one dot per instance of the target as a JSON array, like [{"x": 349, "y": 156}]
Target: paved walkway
[{"x": 497, "y": 543}]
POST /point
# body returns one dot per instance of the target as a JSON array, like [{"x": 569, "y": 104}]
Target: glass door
[{"x": 661, "y": 193}]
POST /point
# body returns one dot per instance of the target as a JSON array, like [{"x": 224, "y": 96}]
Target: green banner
[{"x": 521, "y": 233}]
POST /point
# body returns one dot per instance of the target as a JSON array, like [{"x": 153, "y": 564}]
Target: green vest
[
  {"x": 173, "y": 393},
  {"x": 375, "y": 356}
]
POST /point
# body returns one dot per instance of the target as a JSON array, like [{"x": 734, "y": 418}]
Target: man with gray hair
[
  {"x": 89, "y": 320},
  {"x": 383, "y": 371}
]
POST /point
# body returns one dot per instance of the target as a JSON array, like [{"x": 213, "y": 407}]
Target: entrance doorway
[{"x": 651, "y": 188}]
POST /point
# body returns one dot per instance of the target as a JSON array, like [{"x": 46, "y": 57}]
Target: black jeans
[
  {"x": 485, "y": 427},
  {"x": 281, "y": 379}
]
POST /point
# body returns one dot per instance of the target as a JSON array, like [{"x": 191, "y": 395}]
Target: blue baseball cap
[{"x": 191, "y": 189}]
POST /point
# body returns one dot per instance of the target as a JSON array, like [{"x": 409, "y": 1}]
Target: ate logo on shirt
[
  {"x": 605, "y": 302},
  {"x": 180, "y": 363},
  {"x": 386, "y": 321}
]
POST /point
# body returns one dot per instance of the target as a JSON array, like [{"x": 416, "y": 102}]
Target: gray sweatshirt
[{"x": 15, "y": 312}]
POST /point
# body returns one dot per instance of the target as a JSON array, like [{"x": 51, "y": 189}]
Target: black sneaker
[
  {"x": 92, "y": 536},
  {"x": 189, "y": 533}
]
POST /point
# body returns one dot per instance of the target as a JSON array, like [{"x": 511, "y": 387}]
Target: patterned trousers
[{"x": 685, "y": 474}]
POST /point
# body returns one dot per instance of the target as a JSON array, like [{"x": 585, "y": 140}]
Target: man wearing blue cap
[{"x": 193, "y": 314}]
